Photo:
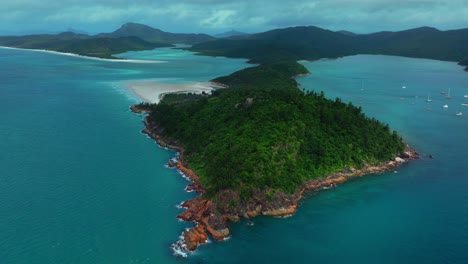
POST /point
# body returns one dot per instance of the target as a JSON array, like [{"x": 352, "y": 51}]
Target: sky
[{"x": 19, "y": 17}]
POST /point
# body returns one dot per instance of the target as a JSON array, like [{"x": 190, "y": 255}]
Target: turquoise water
[
  {"x": 80, "y": 184},
  {"x": 417, "y": 215}
]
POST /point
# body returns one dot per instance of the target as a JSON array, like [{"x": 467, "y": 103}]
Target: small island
[{"x": 255, "y": 148}]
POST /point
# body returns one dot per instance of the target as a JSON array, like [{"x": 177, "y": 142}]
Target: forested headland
[{"x": 255, "y": 147}]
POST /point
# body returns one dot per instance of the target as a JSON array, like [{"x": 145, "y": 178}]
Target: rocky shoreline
[{"x": 213, "y": 217}]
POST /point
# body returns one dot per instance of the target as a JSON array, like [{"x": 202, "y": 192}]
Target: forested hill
[
  {"x": 102, "y": 47},
  {"x": 251, "y": 137},
  {"x": 295, "y": 43},
  {"x": 312, "y": 43}
]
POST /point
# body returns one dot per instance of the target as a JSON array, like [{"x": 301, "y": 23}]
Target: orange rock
[
  {"x": 196, "y": 209},
  {"x": 217, "y": 234},
  {"x": 194, "y": 237},
  {"x": 281, "y": 211},
  {"x": 340, "y": 179}
]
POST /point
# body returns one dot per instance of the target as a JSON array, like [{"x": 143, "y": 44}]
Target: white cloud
[
  {"x": 215, "y": 15},
  {"x": 219, "y": 19}
]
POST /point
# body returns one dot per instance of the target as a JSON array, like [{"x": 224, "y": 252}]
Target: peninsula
[{"x": 255, "y": 148}]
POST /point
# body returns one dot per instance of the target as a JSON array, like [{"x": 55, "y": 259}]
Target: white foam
[
  {"x": 184, "y": 176},
  {"x": 179, "y": 248},
  {"x": 284, "y": 216},
  {"x": 180, "y": 205},
  {"x": 189, "y": 191}
]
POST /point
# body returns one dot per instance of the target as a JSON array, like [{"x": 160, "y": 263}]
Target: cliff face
[{"x": 212, "y": 216}]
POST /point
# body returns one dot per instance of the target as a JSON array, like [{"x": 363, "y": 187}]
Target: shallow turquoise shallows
[{"x": 79, "y": 183}]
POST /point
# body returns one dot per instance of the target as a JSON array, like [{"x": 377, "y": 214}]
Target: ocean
[{"x": 81, "y": 184}]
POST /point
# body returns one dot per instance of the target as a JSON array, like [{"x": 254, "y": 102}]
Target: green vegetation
[
  {"x": 102, "y": 47},
  {"x": 267, "y": 76},
  {"x": 311, "y": 43},
  {"x": 251, "y": 137},
  {"x": 279, "y": 45},
  {"x": 130, "y": 37},
  {"x": 105, "y": 47}
]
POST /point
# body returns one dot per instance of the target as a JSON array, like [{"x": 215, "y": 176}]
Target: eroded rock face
[
  {"x": 217, "y": 227},
  {"x": 196, "y": 209},
  {"x": 171, "y": 163},
  {"x": 194, "y": 237},
  {"x": 283, "y": 211},
  {"x": 201, "y": 211},
  {"x": 194, "y": 186},
  {"x": 139, "y": 110},
  {"x": 187, "y": 172}
]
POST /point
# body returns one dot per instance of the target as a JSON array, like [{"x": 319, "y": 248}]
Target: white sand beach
[
  {"x": 152, "y": 91},
  {"x": 85, "y": 57}
]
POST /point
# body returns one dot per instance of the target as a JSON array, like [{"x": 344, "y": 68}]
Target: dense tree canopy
[{"x": 271, "y": 136}]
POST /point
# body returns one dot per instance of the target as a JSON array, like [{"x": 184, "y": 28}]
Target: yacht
[{"x": 428, "y": 98}]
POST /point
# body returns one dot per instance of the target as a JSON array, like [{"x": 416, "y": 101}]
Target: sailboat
[
  {"x": 428, "y": 98},
  {"x": 459, "y": 113},
  {"x": 448, "y": 95}
]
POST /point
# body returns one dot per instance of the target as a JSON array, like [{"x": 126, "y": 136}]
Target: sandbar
[{"x": 152, "y": 91}]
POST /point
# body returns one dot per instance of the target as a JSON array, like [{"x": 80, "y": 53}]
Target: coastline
[
  {"x": 152, "y": 91},
  {"x": 83, "y": 56},
  {"x": 212, "y": 218}
]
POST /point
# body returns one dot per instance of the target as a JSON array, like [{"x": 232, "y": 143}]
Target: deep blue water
[{"x": 80, "y": 184}]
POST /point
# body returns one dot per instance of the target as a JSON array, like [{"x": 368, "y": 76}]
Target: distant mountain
[
  {"x": 155, "y": 35},
  {"x": 423, "y": 42},
  {"x": 312, "y": 43},
  {"x": 281, "y": 44},
  {"x": 294, "y": 43},
  {"x": 345, "y": 32},
  {"x": 231, "y": 33},
  {"x": 464, "y": 63},
  {"x": 77, "y": 31}
]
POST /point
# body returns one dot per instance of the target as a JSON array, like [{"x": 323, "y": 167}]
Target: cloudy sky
[{"x": 215, "y": 16}]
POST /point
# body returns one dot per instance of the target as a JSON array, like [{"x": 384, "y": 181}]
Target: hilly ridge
[
  {"x": 286, "y": 44},
  {"x": 313, "y": 43},
  {"x": 156, "y": 35}
]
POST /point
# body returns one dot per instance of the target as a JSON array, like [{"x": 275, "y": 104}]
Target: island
[
  {"x": 255, "y": 147},
  {"x": 258, "y": 142}
]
